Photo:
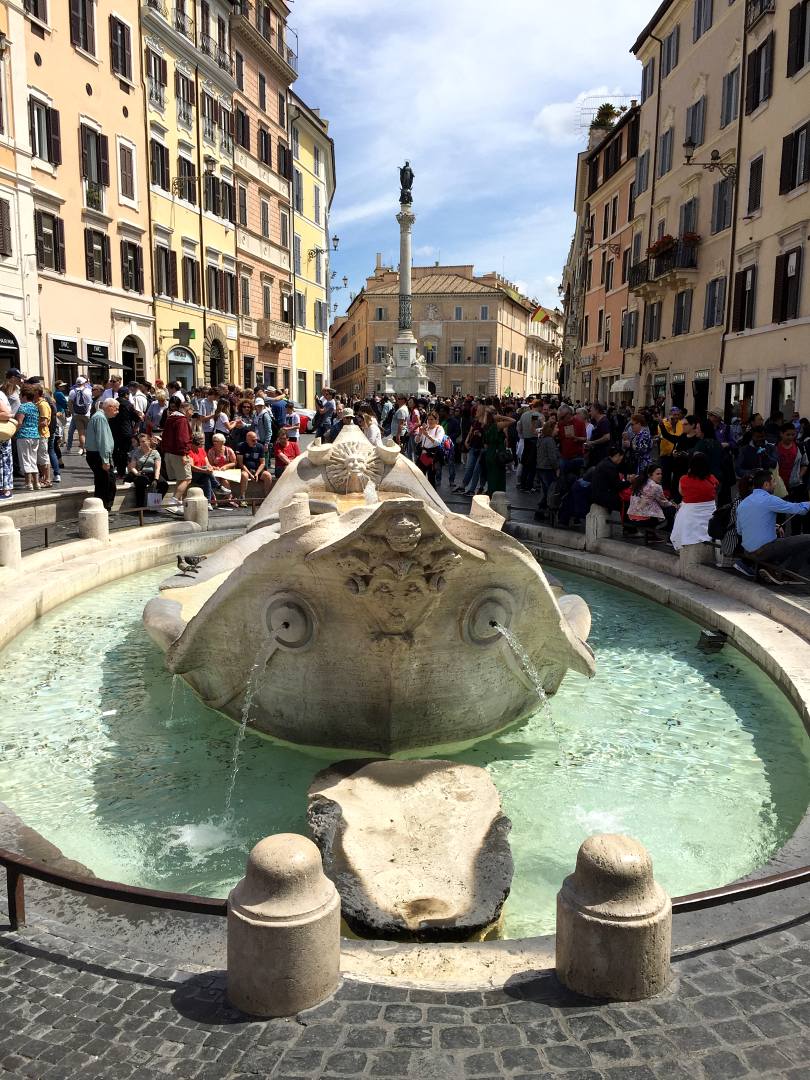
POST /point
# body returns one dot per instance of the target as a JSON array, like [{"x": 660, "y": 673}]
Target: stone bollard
[
  {"x": 500, "y": 504},
  {"x": 195, "y": 507},
  {"x": 94, "y": 521},
  {"x": 597, "y": 525},
  {"x": 295, "y": 513},
  {"x": 614, "y": 923},
  {"x": 283, "y": 930},
  {"x": 692, "y": 555},
  {"x": 10, "y": 548}
]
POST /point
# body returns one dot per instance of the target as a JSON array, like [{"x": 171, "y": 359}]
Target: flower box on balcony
[
  {"x": 661, "y": 245},
  {"x": 691, "y": 239}
]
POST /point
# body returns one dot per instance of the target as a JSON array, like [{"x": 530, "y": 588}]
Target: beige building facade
[
  {"x": 474, "y": 332},
  {"x": 85, "y": 114}
]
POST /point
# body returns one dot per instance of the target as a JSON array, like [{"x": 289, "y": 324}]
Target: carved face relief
[
  {"x": 351, "y": 466},
  {"x": 404, "y": 533}
]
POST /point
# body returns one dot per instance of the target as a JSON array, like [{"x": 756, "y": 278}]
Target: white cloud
[{"x": 561, "y": 122}]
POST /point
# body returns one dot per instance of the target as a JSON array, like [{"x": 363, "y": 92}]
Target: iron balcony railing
[
  {"x": 223, "y": 58},
  {"x": 225, "y": 142},
  {"x": 157, "y": 5},
  {"x": 208, "y": 45},
  {"x": 183, "y": 24},
  {"x": 184, "y": 112},
  {"x": 639, "y": 273},
  {"x": 157, "y": 93},
  {"x": 681, "y": 256},
  {"x": 755, "y": 9},
  {"x": 94, "y": 195},
  {"x": 209, "y": 129}
]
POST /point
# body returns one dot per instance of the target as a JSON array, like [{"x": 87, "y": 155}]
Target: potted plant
[
  {"x": 661, "y": 245},
  {"x": 691, "y": 239}
]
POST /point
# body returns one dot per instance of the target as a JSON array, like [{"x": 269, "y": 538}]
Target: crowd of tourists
[{"x": 740, "y": 480}]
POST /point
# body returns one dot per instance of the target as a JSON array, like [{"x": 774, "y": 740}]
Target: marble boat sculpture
[{"x": 359, "y": 613}]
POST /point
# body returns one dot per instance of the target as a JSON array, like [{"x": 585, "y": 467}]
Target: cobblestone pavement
[{"x": 70, "y": 1011}]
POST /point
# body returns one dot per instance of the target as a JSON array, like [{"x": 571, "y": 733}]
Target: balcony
[
  {"x": 159, "y": 6},
  {"x": 223, "y": 59},
  {"x": 185, "y": 112},
  {"x": 272, "y": 43},
  {"x": 94, "y": 196},
  {"x": 274, "y": 332},
  {"x": 756, "y": 9},
  {"x": 208, "y": 45},
  {"x": 669, "y": 264},
  {"x": 639, "y": 274},
  {"x": 183, "y": 24},
  {"x": 247, "y": 325},
  {"x": 209, "y": 129},
  {"x": 225, "y": 142},
  {"x": 157, "y": 93}
]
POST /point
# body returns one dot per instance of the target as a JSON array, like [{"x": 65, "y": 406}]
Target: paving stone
[
  {"x": 588, "y": 1027},
  {"x": 500, "y": 1035},
  {"x": 459, "y": 1038},
  {"x": 722, "y": 1065},
  {"x": 412, "y": 1036},
  {"x": 481, "y": 1065},
  {"x": 346, "y": 1062},
  {"x": 567, "y": 1056},
  {"x": 369, "y": 1038},
  {"x": 520, "y": 1059},
  {"x": 402, "y": 1014}
]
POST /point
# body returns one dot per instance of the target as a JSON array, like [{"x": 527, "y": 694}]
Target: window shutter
[
  {"x": 177, "y": 90},
  {"x": 39, "y": 240},
  {"x": 31, "y": 125},
  {"x": 88, "y": 253},
  {"x": 115, "y": 62},
  {"x": 750, "y": 83},
  {"x": 59, "y": 232},
  {"x": 696, "y": 21},
  {"x": 164, "y": 70},
  {"x": 104, "y": 160},
  {"x": 197, "y": 282},
  {"x": 795, "y": 42},
  {"x": 139, "y": 268},
  {"x": 54, "y": 137},
  {"x": 786, "y": 170},
  {"x": 173, "y": 274},
  {"x": 715, "y": 208},
  {"x": 720, "y": 307},
  {"x": 701, "y": 120},
  {"x": 687, "y": 311},
  {"x": 83, "y": 134},
  {"x": 767, "y": 63},
  {"x": 126, "y": 45},
  {"x": 90, "y": 16},
  {"x": 185, "y": 266},
  {"x": 5, "y": 227},
  {"x": 709, "y": 306},
  {"x": 125, "y": 282},
  {"x": 164, "y": 168},
  {"x": 75, "y": 22},
  {"x": 154, "y": 166},
  {"x": 793, "y": 285},
  {"x": 779, "y": 282},
  {"x": 105, "y": 250}
]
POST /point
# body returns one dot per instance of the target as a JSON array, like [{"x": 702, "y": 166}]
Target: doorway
[
  {"x": 678, "y": 393},
  {"x": 739, "y": 401},
  {"x": 783, "y": 397},
  {"x": 700, "y": 391},
  {"x": 216, "y": 359}
]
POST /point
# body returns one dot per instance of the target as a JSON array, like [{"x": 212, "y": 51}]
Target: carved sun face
[{"x": 351, "y": 466}]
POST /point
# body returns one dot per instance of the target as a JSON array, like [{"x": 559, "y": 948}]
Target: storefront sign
[
  {"x": 701, "y": 375},
  {"x": 97, "y": 354},
  {"x": 9, "y": 349},
  {"x": 66, "y": 349},
  {"x": 679, "y": 378}
]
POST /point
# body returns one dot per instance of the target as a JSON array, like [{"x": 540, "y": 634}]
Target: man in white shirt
[
  {"x": 206, "y": 408},
  {"x": 80, "y": 400},
  {"x": 292, "y": 423},
  {"x": 399, "y": 423},
  {"x": 114, "y": 384}
]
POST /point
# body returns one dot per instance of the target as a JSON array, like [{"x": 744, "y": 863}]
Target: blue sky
[{"x": 484, "y": 99}]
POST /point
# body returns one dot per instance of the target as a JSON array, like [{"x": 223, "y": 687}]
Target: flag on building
[{"x": 540, "y": 315}]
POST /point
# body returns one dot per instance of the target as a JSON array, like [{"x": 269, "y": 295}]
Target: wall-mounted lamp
[
  {"x": 335, "y": 242},
  {"x": 713, "y": 164}
]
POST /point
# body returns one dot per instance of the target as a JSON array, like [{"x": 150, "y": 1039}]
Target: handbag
[
  {"x": 8, "y": 429},
  {"x": 154, "y": 500},
  {"x": 504, "y": 456},
  {"x": 426, "y": 459}
]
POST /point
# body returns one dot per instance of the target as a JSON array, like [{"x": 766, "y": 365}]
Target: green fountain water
[{"x": 118, "y": 764}]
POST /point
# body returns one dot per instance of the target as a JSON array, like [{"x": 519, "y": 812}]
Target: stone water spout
[{"x": 371, "y": 621}]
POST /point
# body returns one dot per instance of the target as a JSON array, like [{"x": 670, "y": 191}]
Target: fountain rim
[{"x": 782, "y": 654}]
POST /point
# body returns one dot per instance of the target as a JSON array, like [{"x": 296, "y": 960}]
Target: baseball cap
[
  {"x": 271, "y": 390},
  {"x": 81, "y": 380},
  {"x": 14, "y": 373},
  {"x": 258, "y": 401}
]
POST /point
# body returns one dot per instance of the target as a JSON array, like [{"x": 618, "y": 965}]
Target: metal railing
[
  {"x": 93, "y": 195},
  {"x": 157, "y": 93},
  {"x": 18, "y": 868},
  {"x": 681, "y": 256},
  {"x": 183, "y": 24},
  {"x": 185, "y": 112},
  {"x": 224, "y": 60},
  {"x": 639, "y": 274},
  {"x": 158, "y": 5},
  {"x": 755, "y": 9},
  {"x": 208, "y": 45}
]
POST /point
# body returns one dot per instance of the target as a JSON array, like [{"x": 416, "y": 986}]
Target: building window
[
  {"x": 456, "y": 354},
  {"x": 629, "y": 329},
  {"x": 745, "y": 291},
  {"x": 302, "y": 388},
  {"x": 642, "y": 172},
  {"x": 241, "y": 199},
  {"x": 652, "y": 321},
  {"x": 264, "y": 206},
  {"x": 380, "y": 314},
  {"x": 688, "y": 217},
  {"x": 239, "y": 68},
  {"x": 459, "y": 314},
  {"x": 301, "y": 310},
  {"x": 715, "y": 311},
  {"x": 284, "y": 223},
  {"x": 799, "y": 37},
  {"x": 184, "y": 93},
  {"x": 608, "y": 321},
  {"x": 120, "y": 48},
  {"x": 46, "y": 139},
  {"x": 165, "y": 271},
  {"x": 298, "y": 191},
  {"x": 97, "y": 257},
  {"x": 82, "y": 25},
  {"x": 262, "y": 92},
  {"x": 187, "y": 177},
  {"x": 787, "y": 286},
  {"x": 282, "y": 110},
  {"x": 729, "y": 104},
  {"x": 669, "y": 51},
  {"x": 244, "y": 295},
  {"x": 696, "y": 122},
  {"x": 191, "y": 280},
  {"x": 648, "y": 80},
  {"x": 131, "y": 266},
  {"x": 316, "y": 160},
  {"x": 267, "y": 300},
  {"x": 759, "y": 77},
  {"x": 95, "y": 165},
  {"x": 159, "y": 155},
  {"x": 49, "y": 236},
  {"x": 317, "y": 204},
  {"x": 6, "y": 248},
  {"x": 126, "y": 172},
  {"x": 318, "y": 269},
  {"x": 482, "y": 355},
  {"x": 242, "y": 128},
  {"x": 609, "y": 275},
  {"x": 37, "y": 9},
  {"x": 755, "y": 185},
  {"x": 379, "y": 354},
  {"x": 665, "y": 144},
  {"x": 157, "y": 76},
  {"x": 265, "y": 147},
  {"x": 722, "y": 199},
  {"x": 701, "y": 18},
  {"x": 212, "y": 195},
  {"x": 296, "y": 144},
  {"x": 605, "y": 221},
  {"x": 297, "y": 254},
  {"x": 795, "y": 169},
  {"x": 683, "y": 313},
  {"x": 430, "y": 354},
  {"x": 600, "y": 324},
  {"x": 625, "y": 265}
]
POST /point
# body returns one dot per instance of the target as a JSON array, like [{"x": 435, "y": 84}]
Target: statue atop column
[{"x": 406, "y": 183}]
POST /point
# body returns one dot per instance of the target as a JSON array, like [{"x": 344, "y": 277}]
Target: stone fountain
[{"x": 360, "y": 613}]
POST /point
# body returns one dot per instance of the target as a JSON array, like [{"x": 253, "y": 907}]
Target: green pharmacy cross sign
[{"x": 184, "y": 334}]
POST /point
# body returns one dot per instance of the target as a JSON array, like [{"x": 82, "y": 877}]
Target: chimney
[{"x": 379, "y": 261}]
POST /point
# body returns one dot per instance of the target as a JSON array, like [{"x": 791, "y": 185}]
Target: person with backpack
[{"x": 80, "y": 401}]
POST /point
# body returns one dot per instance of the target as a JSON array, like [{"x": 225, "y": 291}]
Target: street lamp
[
  {"x": 335, "y": 242},
  {"x": 714, "y": 162}
]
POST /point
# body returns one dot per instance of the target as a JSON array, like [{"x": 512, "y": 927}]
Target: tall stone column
[{"x": 406, "y": 219}]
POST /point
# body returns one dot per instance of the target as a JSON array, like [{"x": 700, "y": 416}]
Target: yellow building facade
[
  {"x": 190, "y": 131},
  {"x": 313, "y": 186}
]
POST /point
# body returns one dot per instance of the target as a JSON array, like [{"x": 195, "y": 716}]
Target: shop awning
[{"x": 625, "y": 386}]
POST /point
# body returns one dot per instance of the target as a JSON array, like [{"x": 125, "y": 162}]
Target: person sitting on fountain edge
[
  {"x": 762, "y": 538},
  {"x": 250, "y": 458}
]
